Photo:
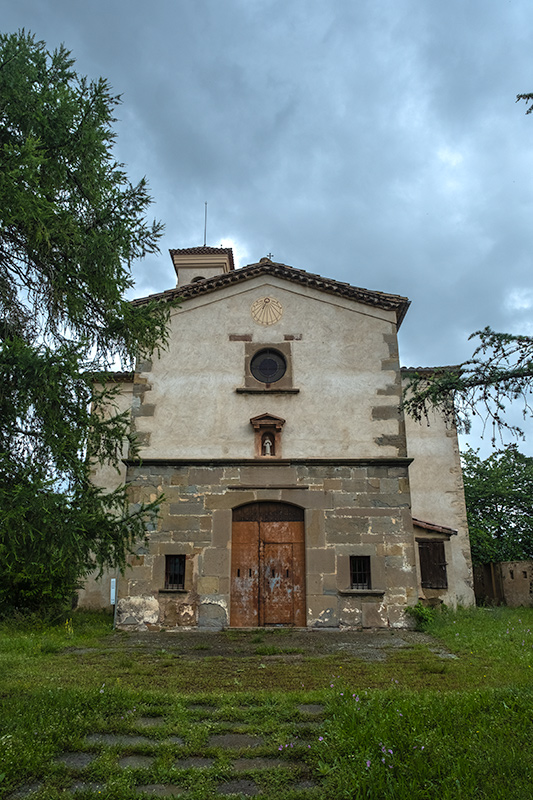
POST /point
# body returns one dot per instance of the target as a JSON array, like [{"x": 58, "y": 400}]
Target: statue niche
[{"x": 267, "y": 429}]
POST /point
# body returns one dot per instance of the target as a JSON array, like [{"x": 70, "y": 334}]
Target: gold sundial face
[{"x": 266, "y": 311}]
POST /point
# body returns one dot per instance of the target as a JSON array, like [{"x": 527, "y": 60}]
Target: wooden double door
[{"x": 267, "y": 565}]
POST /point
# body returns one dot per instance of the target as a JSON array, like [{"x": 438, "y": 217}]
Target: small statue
[{"x": 268, "y": 448}]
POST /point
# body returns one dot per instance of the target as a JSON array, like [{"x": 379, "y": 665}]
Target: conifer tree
[{"x": 71, "y": 225}]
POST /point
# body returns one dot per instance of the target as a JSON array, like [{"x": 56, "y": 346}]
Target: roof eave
[{"x": 382, "y": 300}]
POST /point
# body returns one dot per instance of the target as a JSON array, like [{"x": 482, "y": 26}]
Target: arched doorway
[{"x": 267, "y": 565}]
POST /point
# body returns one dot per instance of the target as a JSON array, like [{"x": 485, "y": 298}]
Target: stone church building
[{"x": 295, "y": 492}]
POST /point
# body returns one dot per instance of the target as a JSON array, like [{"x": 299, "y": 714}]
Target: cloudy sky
[{"x": 372, "y": 141}]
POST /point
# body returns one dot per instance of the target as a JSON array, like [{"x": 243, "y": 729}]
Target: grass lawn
[{"x": 84, "y": 713}]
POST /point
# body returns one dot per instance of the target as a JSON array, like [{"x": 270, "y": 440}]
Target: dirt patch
[{"x": 195, "y": 645}]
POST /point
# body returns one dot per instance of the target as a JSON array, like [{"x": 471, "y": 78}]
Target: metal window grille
[
  {"x": 175, "y": 572},
  {"x": 360, "y": 572},
  {"x": 268, "y": 366}
]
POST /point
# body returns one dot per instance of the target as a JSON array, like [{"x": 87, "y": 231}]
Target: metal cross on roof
[{"x": 270, "y": 255}]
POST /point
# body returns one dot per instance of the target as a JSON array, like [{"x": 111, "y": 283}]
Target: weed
[
  {"x": 50, "y": 646},
  {"x": 422, "y": 614},
  {"x": 268, "y": 650},
  {"x": 274, "y": 650}
]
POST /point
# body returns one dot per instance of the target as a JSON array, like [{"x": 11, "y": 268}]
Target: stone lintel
[
  {"x": 245, "y": 486},
  {"x": 382, "y": 461}
]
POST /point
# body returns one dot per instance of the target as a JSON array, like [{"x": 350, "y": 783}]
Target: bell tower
[{"x": 194, "y": 264}]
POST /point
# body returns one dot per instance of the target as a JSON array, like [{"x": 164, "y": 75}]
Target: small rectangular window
[
  {"x": 432, "y": 564},
  {"x": 360, "y": 572},
  {"x": 174, "y": 572}
]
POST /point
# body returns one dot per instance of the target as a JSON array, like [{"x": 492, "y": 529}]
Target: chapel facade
[{"x": 295, "y": 492}]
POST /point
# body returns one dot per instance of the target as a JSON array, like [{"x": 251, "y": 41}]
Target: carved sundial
[{"x": 266, "y": 311}]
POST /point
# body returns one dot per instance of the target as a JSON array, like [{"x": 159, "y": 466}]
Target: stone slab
[
  {"x": 25, "y": 791},
  {"x": 136, "y": 762},
  {"x": 234, "y": 741},
  {"x": 198, "y": 762},
  {"x": 76, "y": 760},
  {"x": 82, "y": 786},
  {"x": 114, "y": 739},
  {"x": 245, "y": 764},
  {"x": 160, "y": 790},
  {"x": 247, "y": 788},
  {"x": 175, "y": 740},
  {"x": 311, "y": 708}
]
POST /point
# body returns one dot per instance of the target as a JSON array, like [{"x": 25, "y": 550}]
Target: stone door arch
[{"x": 267, "y": 566}]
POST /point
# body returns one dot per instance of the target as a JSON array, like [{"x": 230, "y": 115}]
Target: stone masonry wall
[{"x": 350, "y": 509}]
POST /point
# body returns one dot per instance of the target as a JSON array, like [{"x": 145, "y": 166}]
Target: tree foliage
[
  {"x": 499, "y": 501},
  {"x": 499, "y": 372},
  {"x": 71, "y": 225}
]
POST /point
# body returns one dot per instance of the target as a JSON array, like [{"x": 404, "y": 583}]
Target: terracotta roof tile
[
  {"x": 431, "y": 370},
  {"x": 205, "y": 250},
  {"x": 430, "y": 526},
  {"x": 390, "y": 302}
]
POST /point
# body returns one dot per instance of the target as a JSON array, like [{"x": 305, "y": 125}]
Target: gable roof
[{"x": 389, "y": 302}]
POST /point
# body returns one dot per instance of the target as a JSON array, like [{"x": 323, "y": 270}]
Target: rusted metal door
[{"x": 267, "y": 566}]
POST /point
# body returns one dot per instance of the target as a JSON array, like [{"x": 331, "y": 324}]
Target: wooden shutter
[{"x": 432, "y": 564}]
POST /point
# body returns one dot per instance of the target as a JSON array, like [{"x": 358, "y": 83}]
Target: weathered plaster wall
[
  {"x": 107, "y": 477},
  {"x": 349, "y": 510},
  {"x": 344, "y": 364},
  {"x": 437, "y": 496}
]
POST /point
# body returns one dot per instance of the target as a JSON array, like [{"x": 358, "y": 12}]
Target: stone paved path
[{"x": 232, "y": 762}]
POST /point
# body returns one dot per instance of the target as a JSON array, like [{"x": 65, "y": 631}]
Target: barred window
[
  {"x": 360, "y": 572},
  {"x": 174, "y": 572}
]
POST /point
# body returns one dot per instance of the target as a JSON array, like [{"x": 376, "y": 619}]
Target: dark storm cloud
[{"x": 375, "y": 142}]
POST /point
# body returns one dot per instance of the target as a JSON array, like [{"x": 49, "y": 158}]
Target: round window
[{"x": 268, "y": 366}]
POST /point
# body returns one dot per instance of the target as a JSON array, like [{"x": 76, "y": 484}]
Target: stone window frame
[
  {"x": 160, "y": 571},
  {"x": 377, "y": 572},
  {"x": 252, "y": 385},
  {"x": 360, "y": 567},
  {"x": 175, "y": 571}
]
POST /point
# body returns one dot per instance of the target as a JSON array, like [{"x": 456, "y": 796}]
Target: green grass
[{"x": 458, "y": 728}]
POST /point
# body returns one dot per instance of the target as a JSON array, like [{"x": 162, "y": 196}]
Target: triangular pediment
[
  {"x": 265, "y": 267},
  {"x": 267, "y": 421}
]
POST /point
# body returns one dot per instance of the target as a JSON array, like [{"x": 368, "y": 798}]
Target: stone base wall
[{"x": 351, "y": 509}]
